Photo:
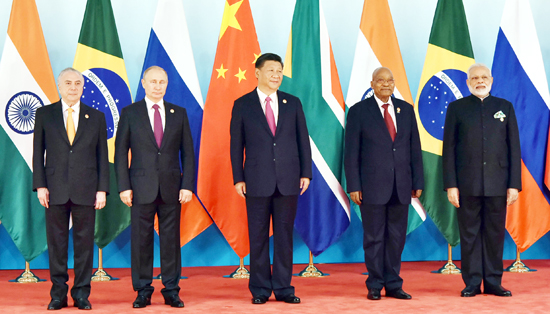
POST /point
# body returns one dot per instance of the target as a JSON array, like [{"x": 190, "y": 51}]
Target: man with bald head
[
  {"x": 383, "y": 164},
  {"x": 158, "y": 135},
  {"x": 71, "y": 177},
  {"x": 482, "y": 175}
]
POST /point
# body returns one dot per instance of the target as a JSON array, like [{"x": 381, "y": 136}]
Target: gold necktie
[{"x": 70, "y": 126}]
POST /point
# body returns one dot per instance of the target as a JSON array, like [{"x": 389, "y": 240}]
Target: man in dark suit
[
  {"x": 73, "y": 179},
  {"x": 270, "y": 125},
  {"x": 383, "y": 164},
  {"x": 158, "y": 135},
  {"x": 482, "y": 175}
]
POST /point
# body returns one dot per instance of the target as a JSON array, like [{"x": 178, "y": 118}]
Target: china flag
[{"x": 232, "y": 77}]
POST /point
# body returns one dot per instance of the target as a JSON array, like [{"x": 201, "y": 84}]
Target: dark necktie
[
  {"x": 157, "y": 125},
  {"x": 389, "y": 121}
]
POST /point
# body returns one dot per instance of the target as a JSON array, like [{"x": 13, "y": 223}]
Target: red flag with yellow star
[{"x": 232, "y": 77}]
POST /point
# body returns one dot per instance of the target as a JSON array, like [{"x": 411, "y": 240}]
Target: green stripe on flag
[
  {"x": 450, "y": 28},
  {"x": 104, "y": 37}
]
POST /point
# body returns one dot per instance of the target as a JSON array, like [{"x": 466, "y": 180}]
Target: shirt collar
[
  {"x": 380, "y": 102},
  {"x": 263, "y": 96},
  {"x": 65, "y": 107},
  {"x": 150, "y": 104}
]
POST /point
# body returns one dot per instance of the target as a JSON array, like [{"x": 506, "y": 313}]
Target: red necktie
[
  {"x": 389, "y": 121},
  {"x": 157, "y": 125},
  {"x": 269, "y": 115}
]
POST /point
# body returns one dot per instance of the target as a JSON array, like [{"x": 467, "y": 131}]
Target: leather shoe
[
  {"x": 261, "y": 299},
  {"x": 398, "y": 294},
  {"x": 141, "y": 301},
  {"x": 56, "y": 304},
  {"x": 374, "y": 294},
  {"x": 291, "y": 298},
  {"x": 498, "y": 291},
  {"x": 82, "y": 304},
  {"x": 470, "y": 291},
  {"x": 174, "y": 301}
]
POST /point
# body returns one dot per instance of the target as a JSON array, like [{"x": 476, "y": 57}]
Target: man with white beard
[{"x": 482, "y": 175}]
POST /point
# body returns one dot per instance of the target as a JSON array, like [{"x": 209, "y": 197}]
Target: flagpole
[
  {"x": 449, "y": 268},
  {"x": 311, "y": 270},
  {"x": 27, "y": 276},
  {"x": 518, "y": 266},
  {"x": 240, "y": 273},
  {"x": 100, "y": 274}
]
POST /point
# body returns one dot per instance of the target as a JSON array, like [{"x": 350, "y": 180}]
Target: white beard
[{"x": 480, "y": 92}]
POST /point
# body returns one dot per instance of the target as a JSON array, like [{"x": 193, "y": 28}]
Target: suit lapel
[
  {"x": 398, "y": 118},
  {"x": 170, "y": 122},
  {"x": 143, "y": 114},
  {"x": 378, "y": 118},
  {"x": 82, "y": 122},
  {"x": 283, "y": 112},
  {"x": 57, "y": 116},
  {"x": 257, "y": 111}
]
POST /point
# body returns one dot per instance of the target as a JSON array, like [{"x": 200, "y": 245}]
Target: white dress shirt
[
  {"x": 151, "y": 112},
  {"x": 76, "y": 114},
  {"x": 274, "y": 103},
  {"x": 391, "y": 109}
]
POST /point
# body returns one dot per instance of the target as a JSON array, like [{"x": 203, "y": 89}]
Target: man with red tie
[
  {"x": 383, "y": 165},
  {"x": 270, "y": 126},
  {"x": 158, "y": 134}
]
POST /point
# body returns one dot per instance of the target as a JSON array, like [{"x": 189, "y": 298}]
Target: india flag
[
  {"x": 27, "y": 84},
  {"x": 377, "y": 46}
]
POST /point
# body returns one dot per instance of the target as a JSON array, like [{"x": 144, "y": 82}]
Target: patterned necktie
[
  {"x": 389, "y": 121},
  {"x": 157, "y": 125},
  {"x": 70, "y": 126},
  {"x": 269, "y": 115}
]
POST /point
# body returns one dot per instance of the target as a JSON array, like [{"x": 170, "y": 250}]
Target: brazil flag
[
  {"x": 99, "y": 58},
  {"x": 443, "y": 80}
]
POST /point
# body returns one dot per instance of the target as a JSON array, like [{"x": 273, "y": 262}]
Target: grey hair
[
  {"x": 478, "y": 65},
  {"x": 67, "y": 70}
]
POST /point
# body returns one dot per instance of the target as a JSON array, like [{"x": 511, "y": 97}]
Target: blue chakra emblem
[
  {"x": 440, "y": 90},
  {"x": 107, "y": 92},
  {"x": 21, "y": 112},
  {"x": 368, "y": 93}
]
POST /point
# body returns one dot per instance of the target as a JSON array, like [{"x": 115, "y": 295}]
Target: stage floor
[{"x": 344, "y": 291}]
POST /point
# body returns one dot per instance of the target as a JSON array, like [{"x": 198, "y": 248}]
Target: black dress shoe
[
  {"x": 141, "y": 301},
  {"x": 398, "y": 294},
  {"x": 174, "y": 301},
  {"x": 261, "y": 299},
  {"x": 291, "y": 298},
  {"x": 470, "y": 291},
  {"x": 82, "y": 304},
  {"x": 498, "y": 291},
  {"x": 374, "y": 294},
  {"x": 56, "y": 304}
]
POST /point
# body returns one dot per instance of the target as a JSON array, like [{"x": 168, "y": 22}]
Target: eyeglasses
[
  {"x": 476, "y": 78},
  {"x": 383, "y": 81}
]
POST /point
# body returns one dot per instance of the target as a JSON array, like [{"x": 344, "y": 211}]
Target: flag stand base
[
  {"x": 518, "y": 266},
  {"x": 240, "y": 273},
  {"x": 311, "y": 270},
  {"x": 27, "y": 277},
  {"x": 448, "y": 269},
  {"x": 101, "y": 275}
]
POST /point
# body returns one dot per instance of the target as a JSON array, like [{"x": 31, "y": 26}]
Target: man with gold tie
[{"x": 71, "y": 176}]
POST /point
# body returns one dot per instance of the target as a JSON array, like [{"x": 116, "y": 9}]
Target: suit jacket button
[
  {"x": 71, "y": 151},
  {"x": 394, "y": 149},
  {"x": 274, "y": 144},
  {"x": 159, "y": 153},
  {"x": 273, "y": 159}
]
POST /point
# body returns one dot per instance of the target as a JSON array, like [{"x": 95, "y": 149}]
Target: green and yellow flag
[
  {"x": 443, "y": 80},
  {"x": 99, "y": 58}
]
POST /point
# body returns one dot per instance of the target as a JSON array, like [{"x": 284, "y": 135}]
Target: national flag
[
  {"x": 106, "y": 88},
  {"x": 170, "y": 48},
  {"x": 27, "y": 84},
  {"x": 519, "y": 77},
  {"x": 443, "y": 80},
  {"x": 377, "y": 46},
  {"x": 232, "y": 77},
  {"x": 310, "y": 74}
]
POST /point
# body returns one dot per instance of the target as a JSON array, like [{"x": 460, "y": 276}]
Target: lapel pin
[
  {"x": 171, "y": 110},
  {"x": 284, "y": 101},
  {"x": 500, "y": 115},
  {"x": 86, "y": 116},
  {"x": 398, "y": 110}
]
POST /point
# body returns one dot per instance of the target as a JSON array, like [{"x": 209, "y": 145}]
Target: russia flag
[
  {"x": 519, "y": 77},
  {"x": 170, "y": 48}
]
